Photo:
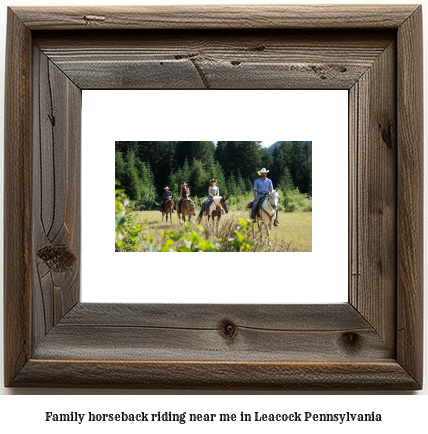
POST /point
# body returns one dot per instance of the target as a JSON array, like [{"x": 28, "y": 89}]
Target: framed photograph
[{"x": 372, "y": 341}]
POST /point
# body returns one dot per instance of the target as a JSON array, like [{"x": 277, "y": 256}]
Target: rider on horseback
[
  {"x": 184, "y": 195},
  {"x": 212, "y": 191},
  {"x": 166, "y": 194},
  {"x": 262, "y": 186}
]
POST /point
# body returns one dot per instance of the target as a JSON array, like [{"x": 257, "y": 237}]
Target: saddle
[
  {"x": 181, "y": 201},
  {"x": 262, "y": 199},
  {"x": 218, "y": 207}
]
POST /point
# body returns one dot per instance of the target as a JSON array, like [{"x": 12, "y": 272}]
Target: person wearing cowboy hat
[
  {"x": 166, "y": 194},
  {"x": 262, "y": 186},
  {"x": 184, "y": 195},
  {"x": 212, "y": 191}
]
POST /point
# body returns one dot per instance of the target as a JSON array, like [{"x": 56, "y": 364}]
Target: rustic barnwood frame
[{"x": 372, "y": 342}]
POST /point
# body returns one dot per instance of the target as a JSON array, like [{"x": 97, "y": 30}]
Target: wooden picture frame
[{"x": 372, "y": 342}]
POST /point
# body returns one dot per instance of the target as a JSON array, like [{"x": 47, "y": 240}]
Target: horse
[
  {"x": 187, "y": 208},
  {"x": 167, "y": 209},
  {"x": 266, "y": 213},
  {"x": 218, "y": 203}
]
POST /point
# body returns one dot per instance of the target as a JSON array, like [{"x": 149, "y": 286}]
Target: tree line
[{"x": 144, "y": 169}]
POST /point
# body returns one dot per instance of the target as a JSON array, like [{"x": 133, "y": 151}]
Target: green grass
[{"x": 294, "y": 231}]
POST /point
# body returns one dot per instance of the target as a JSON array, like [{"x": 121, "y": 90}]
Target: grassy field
[{"x": 294, "y": 233}]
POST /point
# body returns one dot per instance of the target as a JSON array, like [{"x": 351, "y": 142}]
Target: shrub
[
  {"x": 294, "y": 201},
  {"x": 128, "y": 230}
]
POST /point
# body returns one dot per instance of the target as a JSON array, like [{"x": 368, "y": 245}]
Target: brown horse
[
  {"x": 216, "y": 208},
  {"x": 167, "y": 209},
  {"x": 187, "y": 208}
]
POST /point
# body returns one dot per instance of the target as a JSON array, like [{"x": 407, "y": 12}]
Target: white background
[
  {"x": 319, "y": 276},
  {"x": 401, "y": 413}
]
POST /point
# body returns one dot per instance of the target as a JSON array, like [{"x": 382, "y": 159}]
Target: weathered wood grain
[
  {"x": 208, "y": 316},
  {"x": 199, "y": 332},
  {"x": 410, "y": 196},
  {"x": 216, "y": 60},
  {"x": 375, "y": 375},
  {"x": 216, "y": 17},
  {"x": 17, "y": 199},
  {"x": 374, "y": 342},
  {"x": 55, "y": 194},
  {"x": 373, "y": 178}
]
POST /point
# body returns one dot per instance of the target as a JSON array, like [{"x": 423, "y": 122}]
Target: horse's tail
[{"x": 200, "y": 215}]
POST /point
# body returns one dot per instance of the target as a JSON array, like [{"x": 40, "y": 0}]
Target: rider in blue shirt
[{"x": 261, "y": 186}]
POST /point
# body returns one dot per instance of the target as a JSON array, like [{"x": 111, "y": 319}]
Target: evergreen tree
[
  {"x": 198, "y": 179},
  {"x": 120, "y": 167},
  {"x": 307, "y": 168},
  {"x": 286, "y": 181},
  {"x": 185, "y": 171},
  {"x": 266, "y": 160},
  {"x": 132, "y": 183},
  {"x": 240, "y": 184},
  {"x": 249, "y": 158},
  {"x": 279, "y": 167},
  {"x": 203, "y": 151},
  {"x": 174, "y": 182},
  {"x": 221, "y": 180},
  {"x": 295, "y": 162},
  {"x": 231, "y": 185}
]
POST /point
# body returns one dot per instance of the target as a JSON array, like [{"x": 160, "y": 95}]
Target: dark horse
[
  {"x": 167, "y": 209},
  {"x": 217, "y": 206}
]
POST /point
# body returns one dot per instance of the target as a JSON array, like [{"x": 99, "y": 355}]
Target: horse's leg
[
  {"x": 200, "y": 215},
  {"x": 268, "y": 234},
  {"x": 170, "y": 216},
  {"x": 213, "y": 221},
  {"x": 261, "y": 232},
  {"x": 162, "y": 217},
  {"x": 218, "y": 224}
]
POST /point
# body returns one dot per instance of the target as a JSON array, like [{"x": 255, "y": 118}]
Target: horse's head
[
  {"x": 191, "y": 207},
  {"x": 169, "y": 203},
  {"x": 224, "y": 204},
  {"x": 273, "y": 198}
]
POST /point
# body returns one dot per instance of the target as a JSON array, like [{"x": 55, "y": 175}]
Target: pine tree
[
  {"x": 249, "y": 158},
  {"x": 185, "y": 171},
  {"x": 266, "y": 160},
  {"x": 120, "y": 167},
  {"x": 240, "y": 184},
  {"x": 221, "y": 180},
  {"x": 198, "y": 179},
  {"x": 174, "y": 182},
  {"x": 231, "y": 185},
  {"x": 286, "y": 181},
  {"x": 132, "y": 182}
]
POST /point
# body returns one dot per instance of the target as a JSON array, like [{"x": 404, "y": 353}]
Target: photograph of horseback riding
[{"x": 213, "y": 196}]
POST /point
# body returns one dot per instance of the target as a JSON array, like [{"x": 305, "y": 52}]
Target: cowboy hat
[
  {"x": 212, "y": 180},
  {"x": 166, "y": 188},
  {"x": 183, "y": 183},
  {"x": 263, "y": 171}
]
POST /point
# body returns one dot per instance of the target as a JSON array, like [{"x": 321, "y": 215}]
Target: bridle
[
  {"x": 169, "y": 204},
  {"x": 184, "y": 204},
  {"x": 218, "y": 205}
]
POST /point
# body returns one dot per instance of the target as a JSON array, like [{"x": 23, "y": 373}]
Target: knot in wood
[
  {"x": 228, "y": 330},
  {"x": 58, "y": 259},
  {"x": 351, "y": 340}
]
